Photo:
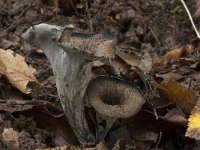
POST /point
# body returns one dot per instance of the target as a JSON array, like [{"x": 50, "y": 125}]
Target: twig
[
  {"x": 154, "y": 34},
  {"x": 191, "y": 20},
  {"x": 72, "y": 4},
  {"x": 90, "y": 20},
  {"x": 18, "y": 18},
  {"x": 158, "y": 141}
]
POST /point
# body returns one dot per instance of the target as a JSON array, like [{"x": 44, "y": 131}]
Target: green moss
[{"x": 177, "y": 10}]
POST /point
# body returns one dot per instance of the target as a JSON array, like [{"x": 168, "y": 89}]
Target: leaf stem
[{"x": 190, "y": 17}]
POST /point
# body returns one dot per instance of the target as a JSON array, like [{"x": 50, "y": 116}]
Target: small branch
[
  {"x": 191, "y": 20},
  {"x": 18, "y": 18},
  {"x": 88, "y": 13},
  {"x": 72, "y": 4}
]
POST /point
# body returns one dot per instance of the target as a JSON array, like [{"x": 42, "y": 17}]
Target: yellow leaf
[
  {"x": 16, "y": 70},
  {"x": 184, "y": 98},
  {"x": 193, "y": 129}
]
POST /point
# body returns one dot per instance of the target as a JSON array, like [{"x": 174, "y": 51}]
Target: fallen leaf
[
  {"x": 174, "y": 55},
  {"x": 143, "y": 134},
  {"x": 119, "y": 145},
  {"x": 99, "y": 146},
  {"x": 193, "y": 130},
  {"x": 170, "y": 76},
  {"x": 184, "y": 98},
  {"x": 16, "y": 70},
  {"x": 46, "y": 115},
  {"x": 10, "y": 136},
  {"x": 65, "y": 147},
  {"x": 128, "y": 58},
  {"x": 197, "y": 12},
  {"x": 175, "y": 116}
]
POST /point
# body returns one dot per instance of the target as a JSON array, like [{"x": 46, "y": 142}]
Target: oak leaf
[{"x": 14, "y": 67}]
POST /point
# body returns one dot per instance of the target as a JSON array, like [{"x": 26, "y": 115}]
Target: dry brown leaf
[
  {"x": 119, "y": 145},
  {"x": 174, "y": 55},
  {"x": 65, "y": 147},
  {"x": 169, "y": 76},
  {"x": 128, "y": 58},
  {"x": 16, "y": 70},
  {"x": 184, "y": 98},
  {"x": 175, "y": 116},
  {"x": 46, "y": 115},
  {"x": 99, "y": 146},
  {"x": 193, "y": 130},
  {"x": 197, "y": 12},
  {"x": 10, "y": 136}
]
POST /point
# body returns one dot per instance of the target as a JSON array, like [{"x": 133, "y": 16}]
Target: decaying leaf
[
  {"x": 170, "y": 76},
  {"x": 65, "y": 147},
  {"x": 193, "y": 129},
  {"x": 10, "y": 136},
  {"x": 100, "y": 146},
  {"x": 120, "y": 144},
  {"x": 174, "y": 55},
  {"x": 175, "y": 116},
  {"x": 16, "y": 70},
  {"x": 46, "y": 115},
  {"x": 128, "y": 58},
  {"x": 197, "y": 12},
  {"x": 184, "y": 98}
]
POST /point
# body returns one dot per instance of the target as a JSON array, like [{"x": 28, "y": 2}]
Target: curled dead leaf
[
  {"x": 184, "y": 98},
  {"x": 14, "y": 67},
  {"x": 175, "y": 54},
  {"x": 128, "y": 58}
]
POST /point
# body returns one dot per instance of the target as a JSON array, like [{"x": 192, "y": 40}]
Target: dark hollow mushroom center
[{"x": 112, "y": 97}]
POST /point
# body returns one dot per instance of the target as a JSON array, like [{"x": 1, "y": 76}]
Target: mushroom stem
[
  {"x": 71, "y": 87},
  {"x": 72, "y": 72},
  {"x": 102, "y": 131}
]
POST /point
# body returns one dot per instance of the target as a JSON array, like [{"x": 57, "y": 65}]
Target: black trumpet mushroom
[
  {"x": 113, "y": 98},
  {"x": 71, "y": 56}
]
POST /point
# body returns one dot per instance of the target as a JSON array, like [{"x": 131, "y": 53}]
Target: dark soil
[{"x": 140, "y": 26}]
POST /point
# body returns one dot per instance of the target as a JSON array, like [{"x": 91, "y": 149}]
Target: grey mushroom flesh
[{"x": 113, "y": 98}]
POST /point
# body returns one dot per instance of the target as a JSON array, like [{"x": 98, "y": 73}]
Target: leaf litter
[{"x": 176, "y": 75}]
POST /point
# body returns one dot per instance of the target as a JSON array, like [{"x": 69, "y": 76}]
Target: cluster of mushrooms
[{"x": 71, "y": 56}]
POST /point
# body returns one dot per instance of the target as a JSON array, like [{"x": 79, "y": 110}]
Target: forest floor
[{"x": 142, "y": 27}]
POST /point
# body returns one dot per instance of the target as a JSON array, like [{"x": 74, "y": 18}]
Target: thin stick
[
  {"x": 18, "y": 18},
  {"x": 191, "y": 20},
  {"x": 88, "y": 13}
]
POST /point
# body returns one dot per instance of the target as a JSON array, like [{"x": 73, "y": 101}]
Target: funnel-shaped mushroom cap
[
  {"x": 113, "y": 97},
  {"x": 43, "y": 34},
  {"x": 96, "y": 46}
]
